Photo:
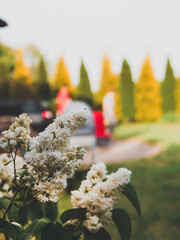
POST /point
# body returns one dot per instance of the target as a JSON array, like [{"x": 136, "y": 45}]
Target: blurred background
[{"x": 121, "y": 61}]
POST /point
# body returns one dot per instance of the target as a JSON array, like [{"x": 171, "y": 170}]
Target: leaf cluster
[{"x": 40, "y": 220}]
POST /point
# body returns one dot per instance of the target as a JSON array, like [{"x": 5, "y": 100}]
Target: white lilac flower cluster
[
  {"x": 51, "y": 157},
  {"x": 18, "y": 135},
  {"x": 98, "y": 193},
  {"x": 7, "y": 173}
]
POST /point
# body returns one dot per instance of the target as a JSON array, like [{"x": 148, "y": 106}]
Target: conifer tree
[
  {"x": 7, "y": 61},
  {"x": 147, "y": 95},
  {"x": 7, "y": 57},
  {"x": 127, "y": 93},
  {"x": 21, "y": 85},
  {"x": 32, "y": 53},
  {"x": 177, "y": 96},
  {"x": 61, "y": 77},
  {"x": 168, "y": 91},
  {"x": 84, "y": 92},
  {"x": 109, "y": 81},
  {"x": 42, "y": 85},
  {"x": 118, "y": 105},
  {"x": 4, "y": 81}
]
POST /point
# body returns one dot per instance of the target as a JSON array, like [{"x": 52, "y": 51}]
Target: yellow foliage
[
  {"x": 118, "y": 106},
  {"x": 2, "y": 236},
  {"x": 21, "y": 86},
  {"x": 20, "y": 69},
  {"x": 109, "y": 80},
  {"x": 147, "y": 95},
  {"x": 61, "y": 77}
]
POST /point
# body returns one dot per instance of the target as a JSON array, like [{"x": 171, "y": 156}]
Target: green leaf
[
  {"x": 76, "y": 238},
  {"x": 79, "y": 231},
  {"x": 58, "y": 231},
  {"x": 20, "y": 232},
  {"x": 102, "y": 234},
  {"x": 71, "y": 233},
  {"x": 12, "y": 212},
  {"x": 51, "y": 211},
  {"x": 28, "y": 231},
  {"x": 24, "y": 167},
  {"x": 38, "y": 236},
  {"x": 123, "y": 223},
  {"x": 40, "y": 225},
  {"x": 47, "y": 232},
  {"x": 23, "y": 215},
  {"x": 2, "y": 205},
  {"x": 68, "y": 232},
  {"x": 22, "y": 152},
  {"x": 35, "y": 211},
  {"x": 131, "y": 194},
  {"x": 10, "y": 188},
  {"x": 7, "y": 228},
  {"x": 75, "y": 213},
  {"x": 52, "y": 231}
]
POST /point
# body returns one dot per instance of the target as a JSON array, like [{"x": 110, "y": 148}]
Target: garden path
[{"x": 123, "y": 150}]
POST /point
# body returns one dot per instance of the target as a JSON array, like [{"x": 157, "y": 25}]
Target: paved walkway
[{"x": 118, "y": 151}]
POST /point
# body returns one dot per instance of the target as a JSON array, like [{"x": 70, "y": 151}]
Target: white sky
[{"x": 88, "y": 29}]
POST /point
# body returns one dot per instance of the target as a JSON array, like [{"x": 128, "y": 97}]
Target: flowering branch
[
  {"x": 49, "y": 160},
  {"x": 14, "y": 164}
]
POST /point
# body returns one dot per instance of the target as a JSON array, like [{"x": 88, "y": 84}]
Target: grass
[
  {"x": 166, "y": 133},
  {"x": 157, "y": 182}
]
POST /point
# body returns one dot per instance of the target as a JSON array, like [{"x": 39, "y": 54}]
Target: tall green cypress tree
[
  {"x": 168, "y": 89},
  {"x": 127, "y": 92},
  {"x": 7, "y": 57},
  {"x": 84, "y": 92},
  {"x": 41, "y": 81}
]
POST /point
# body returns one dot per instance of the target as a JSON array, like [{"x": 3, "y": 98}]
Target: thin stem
[
  {"x": 14, "y": 163},
  {"x": 10, "y": 203},
  {"x": 45, "y": 179},
  {"x": 8, "y": 163},
  {"x": 79, "y": 223},
  {"x": 50, "y": 175}
]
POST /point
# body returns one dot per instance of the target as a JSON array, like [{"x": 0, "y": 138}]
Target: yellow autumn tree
[
  {"x": 118, "y": 106},
  {"x": 61, "y": 77},
  {"x": 177, "y": 95},
  {"x": 21, "y": 85},
  {"x": 147, "y": 95},
  {"x": 110, "y": 82}
]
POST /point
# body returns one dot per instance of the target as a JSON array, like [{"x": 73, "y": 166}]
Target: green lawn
[
  {"x": 166, "y": 133},
  {"x": 157, "y": 182}
]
